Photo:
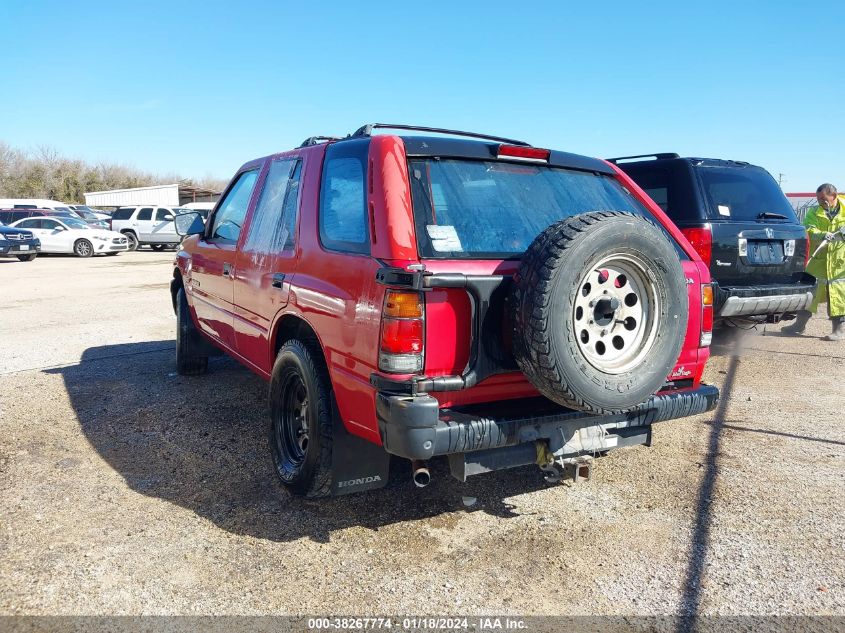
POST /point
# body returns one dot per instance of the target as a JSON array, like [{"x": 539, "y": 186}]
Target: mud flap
[{"x": 357, "y": 465}]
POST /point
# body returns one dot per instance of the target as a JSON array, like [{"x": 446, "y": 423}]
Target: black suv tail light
[{"x": 701, "y": 239}]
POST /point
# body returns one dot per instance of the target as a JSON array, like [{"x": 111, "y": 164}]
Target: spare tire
[{"x": 599, "y": 311}]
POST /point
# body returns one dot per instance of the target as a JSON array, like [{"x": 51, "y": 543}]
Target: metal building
[{"x": 172, "y": 195}]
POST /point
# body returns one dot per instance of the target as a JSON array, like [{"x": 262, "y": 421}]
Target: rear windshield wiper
[{"x": 774, "y": 216}]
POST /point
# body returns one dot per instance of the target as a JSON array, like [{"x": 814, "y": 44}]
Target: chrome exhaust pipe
[{"x": 421, "y": 475}]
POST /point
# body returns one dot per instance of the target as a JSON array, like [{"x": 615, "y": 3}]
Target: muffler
[{"x": 420, "y": 473}]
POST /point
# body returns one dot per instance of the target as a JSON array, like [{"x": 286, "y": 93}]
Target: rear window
[
  {"x": 486, "y": 209},
  {"x": 744, "y": 193},
  {"x": 123, "y": 214}
]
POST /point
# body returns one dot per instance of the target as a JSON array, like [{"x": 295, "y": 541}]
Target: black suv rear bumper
[
  {"x": 764, "y": 300},
  {"x": 415, "y": 427}
]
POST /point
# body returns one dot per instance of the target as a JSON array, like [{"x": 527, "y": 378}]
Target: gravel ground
[{"x": 126, "y": 489}]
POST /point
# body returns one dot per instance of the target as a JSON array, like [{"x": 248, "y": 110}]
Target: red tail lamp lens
[
  {"x": 402, "y": 336},
  {"x": 702, "y": 241}
]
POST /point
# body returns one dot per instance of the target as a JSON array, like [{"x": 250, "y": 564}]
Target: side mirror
[
  {"x": 189, "y": 223},
  {"x": 59, "y": 229},
  {"x": 168, "y": 218}
]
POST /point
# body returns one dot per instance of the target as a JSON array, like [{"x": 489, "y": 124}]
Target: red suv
[{"x": 448, "y": 294}]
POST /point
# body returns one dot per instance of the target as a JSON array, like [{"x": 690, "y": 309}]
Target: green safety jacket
[{"x": 829, "y": 265}]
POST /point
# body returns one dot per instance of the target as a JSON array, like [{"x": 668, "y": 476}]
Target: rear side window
[
  {"x": 145, "y": 214},
  {"x": 672, "y": 186},
  {"x": 123, "y": 214},
  {"x": 11, "y": 216},
  {"x": 231, "y": 211},
  {"x": 30, "y": 224},
  {"x": 274, "y": 221},
  {"x": 343, "y": 202},
  {"x": 486, "y": 209}
]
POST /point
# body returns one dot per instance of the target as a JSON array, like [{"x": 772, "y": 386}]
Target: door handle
[
  {"x": 278, "y": 278},
  {"x": 227, "y": 270}
]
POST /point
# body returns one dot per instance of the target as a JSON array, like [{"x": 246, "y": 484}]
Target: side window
[
  {"x": 163, "y": 215},
  {"x": 274, "y": 222},
  {"x": 660, "y": 195},
  {"x": 343, "y": 204},
  {"x": 145, "y": 214},
  {"x": 49, "y": 224},
  {"x": 6, "y": 217},
  {"x": 231, "y": 211},
  {"x": 122, "y": 214},
  {"x": 30, "y": 224}
]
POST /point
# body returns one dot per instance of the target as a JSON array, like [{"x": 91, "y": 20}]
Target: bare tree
[{"x": 44, "y": 173}]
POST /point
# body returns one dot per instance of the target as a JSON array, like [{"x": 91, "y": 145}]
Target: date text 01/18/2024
[{"x": 481, "y": 624}]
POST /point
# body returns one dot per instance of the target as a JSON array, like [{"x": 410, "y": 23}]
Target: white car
[
  {"x": 72, "y": 235},
  {"x": 147, "y": 224}
]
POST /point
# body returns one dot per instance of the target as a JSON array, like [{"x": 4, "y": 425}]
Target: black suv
[
  {"x": 742, "y": 225},
  {"x": 18, "y": 243}
]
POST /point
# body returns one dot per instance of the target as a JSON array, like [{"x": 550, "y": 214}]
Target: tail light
[
  {"x": 526, "y": 153},
  {"x": 702, "y": 241},
  {"x": 706, "y": 315},
  {"x": 402, "y": 333},
  {"x": 807, "y": 252}
]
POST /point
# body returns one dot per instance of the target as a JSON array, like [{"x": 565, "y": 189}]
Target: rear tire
[
  {"x": 27, "y": 258},
  {"x": 157, "y": 247},
  {"x": 131, "y": 240},
  {"x": 600, "y": 311},
  {"x": 301, "y": 419},
  {"x": 83, "y": 248},
  {"x": 187, "y": 363}
]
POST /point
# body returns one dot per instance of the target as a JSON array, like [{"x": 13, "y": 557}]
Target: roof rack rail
[
  {"x": 655, "y": 156},
  {"x": 367, "y": 130},
  {"x": 316, "y": 140}
]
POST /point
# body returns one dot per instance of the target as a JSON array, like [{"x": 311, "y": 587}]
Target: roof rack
[
  {"x": 367, "y": 130},
  {"x": 655, "y": 156},
  {"x": 316, "y": 140}
]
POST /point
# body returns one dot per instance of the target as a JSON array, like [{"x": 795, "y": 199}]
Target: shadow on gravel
[
  {"x": 734, "y": 427},
  {"x": 691, "y": 599},
  {"x": 201, "y": 443}
]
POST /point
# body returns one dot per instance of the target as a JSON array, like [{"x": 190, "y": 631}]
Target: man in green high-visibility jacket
[{"x": 824, "y": 222}]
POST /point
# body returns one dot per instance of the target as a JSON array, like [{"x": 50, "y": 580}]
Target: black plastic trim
[
  {"x": 416, "y": 428},
  {"x": 487, "y": 356},
  {"x": 367, "y": 130},
  {"x": 806, "y": 284}
]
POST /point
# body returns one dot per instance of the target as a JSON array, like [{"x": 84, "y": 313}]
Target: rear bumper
[
  {"x": 764, "y": 300},
  {"x": 415, "y": 427}
]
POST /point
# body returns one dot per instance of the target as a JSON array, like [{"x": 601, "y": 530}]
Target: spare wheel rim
[{"x": 614, "y": 316}]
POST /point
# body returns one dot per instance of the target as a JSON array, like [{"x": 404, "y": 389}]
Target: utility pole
[{"x": 780, "y": 180}]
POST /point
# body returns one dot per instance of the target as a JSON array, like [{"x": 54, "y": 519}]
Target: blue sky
[{"x": 197, "y": 88}]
